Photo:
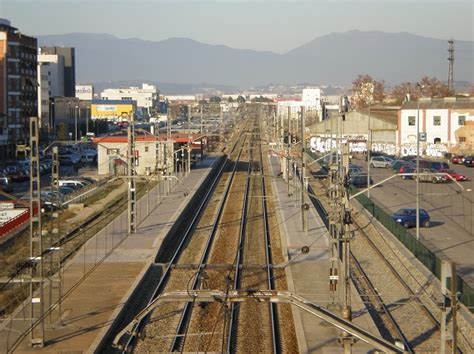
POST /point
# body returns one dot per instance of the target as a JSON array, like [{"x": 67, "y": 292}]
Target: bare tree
[
  {"x": 432, "y": 87},
  {"x": 365, "y": 88}
]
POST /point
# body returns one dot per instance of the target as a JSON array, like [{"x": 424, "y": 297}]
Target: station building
[
  {"x": 444, "y": 121},
  {"x": 154, "y": 154}
]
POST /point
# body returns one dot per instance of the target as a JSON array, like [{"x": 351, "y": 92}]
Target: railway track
[
  {"x": 398, "y": 311},
  {"x": 185, "y": 268},
  {"x": 226, "y": 247}
]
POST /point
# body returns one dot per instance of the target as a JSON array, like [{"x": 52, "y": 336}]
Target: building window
[
  {"x": 411, "y": 120},
  {"x": 462, "y": 139},
  {"x": 146, "y": 148},
  {"x": 437, "y": 120},
  {"x": 462, "y": 120}
]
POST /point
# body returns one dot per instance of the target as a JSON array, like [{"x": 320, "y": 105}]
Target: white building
[
  {"x": 43, "y": 96},
  {"x": 146, "y": 97},
  {"x": 294, "y": 104},
  {"x": 311, "y": 98},
  {"x": 439, "y": 119},
  {"x": 174, "y": 98},
  {"x": 85, "y": 92},
  {"x": 112, "y": 154},
  {"x": 52, "y": 65}
]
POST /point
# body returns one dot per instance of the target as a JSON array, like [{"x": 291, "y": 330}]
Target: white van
[{"x": 72, "y": 183}]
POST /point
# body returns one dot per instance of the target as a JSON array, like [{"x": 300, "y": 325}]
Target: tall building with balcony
[{"x": 18, "y": 87}]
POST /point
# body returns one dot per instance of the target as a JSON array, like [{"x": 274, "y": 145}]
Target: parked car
[
  {"x": 380, "y": 161},
  {"x": 469, "y": 161},
  {"x": 407, "y": 217},
  {"x": 408, "y": 158},
  {"x": 397, "y": 164},
  {"x": 360, "y": 181},
  {"x": 433, "y": 165},
  {"x": 66, "y": 190},
  {"x": 354, "y": 170},
  {"x": 6, "y": 185},
  {"x": 456, "y": 176},
  {"x": 433, "y": 176},
  {"x": 408, "y": 168},
  {"x": 457, "y": 159},
  {"x": 77, "y": 184}
]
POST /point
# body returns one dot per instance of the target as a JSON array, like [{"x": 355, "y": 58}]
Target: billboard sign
[{"x": 85, "y": 92}]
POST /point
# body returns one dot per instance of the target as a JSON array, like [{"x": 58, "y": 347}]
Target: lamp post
[
  {"x": 75, "y": 123},
  {"x": 368, "y": 91},
  {"x": 418, "y": 163},
  {"x": 417, "y": 193}
]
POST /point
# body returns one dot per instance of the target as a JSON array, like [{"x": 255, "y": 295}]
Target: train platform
[
  {"x": 308, "y": 274},
  {"x": 100, "y": 278}
]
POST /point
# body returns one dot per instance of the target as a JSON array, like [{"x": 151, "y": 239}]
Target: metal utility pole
[
  {"x": 369, "y": 147},
  {"x": 36, "y": 242},
  {"x": 288, "y": 150},
  {"x": 418, "y": 170},
  {"x": 188, "y": 167},
  {"x": 56, "y": 236},
  {"x": 345, "y": 220},
  {"x": 132, "y": 196},
  {"x": 451, "y": 65},
  {"x": 448, "y": 306},
  {"x": 304, "y": 205},
  {"x": 75, "y": 124},
  {"x": 201, "y": 119},
  {"x": 87, "y": 119}
]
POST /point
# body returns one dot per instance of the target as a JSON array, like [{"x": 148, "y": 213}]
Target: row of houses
[{"x": 446, "y": 124}]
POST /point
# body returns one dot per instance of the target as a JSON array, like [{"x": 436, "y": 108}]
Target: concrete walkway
[
  {"x": 308, "y": 274},
  {"x": 103, "y": 274}
]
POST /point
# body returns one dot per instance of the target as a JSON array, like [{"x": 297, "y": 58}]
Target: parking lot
[{"x": 451, "y": 209}]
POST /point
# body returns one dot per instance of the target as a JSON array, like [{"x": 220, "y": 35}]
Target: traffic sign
[{"x": 422, "y": 137}]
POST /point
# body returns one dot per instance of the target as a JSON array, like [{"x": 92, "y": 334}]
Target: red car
[
  {"x": 457, "y": 176},
  {"x": 458, "y": 159},
  {"x": 406, "y": 168}
]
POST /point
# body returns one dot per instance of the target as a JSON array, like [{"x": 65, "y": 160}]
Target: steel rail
[
  {"x": 179, "y": 339},
  {"x": 232, "y": 331},
  {"x": 376, "y": 301},
  {"x": 268, "y": 261},
  {"x": 166, "y": 274}
]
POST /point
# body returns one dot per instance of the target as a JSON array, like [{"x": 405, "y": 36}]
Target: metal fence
[{"x": 420, "y": 251}]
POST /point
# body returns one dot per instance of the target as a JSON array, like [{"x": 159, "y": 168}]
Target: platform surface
[
  {"x": 113, "y": 264},
  {"x": 308, "y": 274}
]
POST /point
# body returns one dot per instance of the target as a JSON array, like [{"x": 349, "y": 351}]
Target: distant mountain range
[{"x": 336, "y": 58}]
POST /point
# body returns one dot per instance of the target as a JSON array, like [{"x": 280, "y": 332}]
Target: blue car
[{"x": 407, "y": 217}]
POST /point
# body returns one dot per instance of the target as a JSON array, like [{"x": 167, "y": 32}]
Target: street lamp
[
  {"x": 75, "y": 123},
  {"x": 368, "y": 92},
  {"x": 420, "y": 87}
]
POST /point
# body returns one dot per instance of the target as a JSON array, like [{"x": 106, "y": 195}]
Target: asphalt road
[{"x": 450, "y": 207}]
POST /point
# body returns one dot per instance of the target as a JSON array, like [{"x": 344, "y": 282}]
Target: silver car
[{"x": 380, "y": 161}]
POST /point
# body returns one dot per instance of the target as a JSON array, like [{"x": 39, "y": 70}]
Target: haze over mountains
[{"x": 336, "y": 58}]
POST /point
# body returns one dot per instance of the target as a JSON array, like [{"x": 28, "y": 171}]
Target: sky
[{"x": 266, "y": 25}]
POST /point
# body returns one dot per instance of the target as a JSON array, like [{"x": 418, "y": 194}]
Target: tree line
[{"x": 367, "y": 90}]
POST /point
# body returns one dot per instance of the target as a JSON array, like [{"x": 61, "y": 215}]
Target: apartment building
[{"x": 18, "y": 83}]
